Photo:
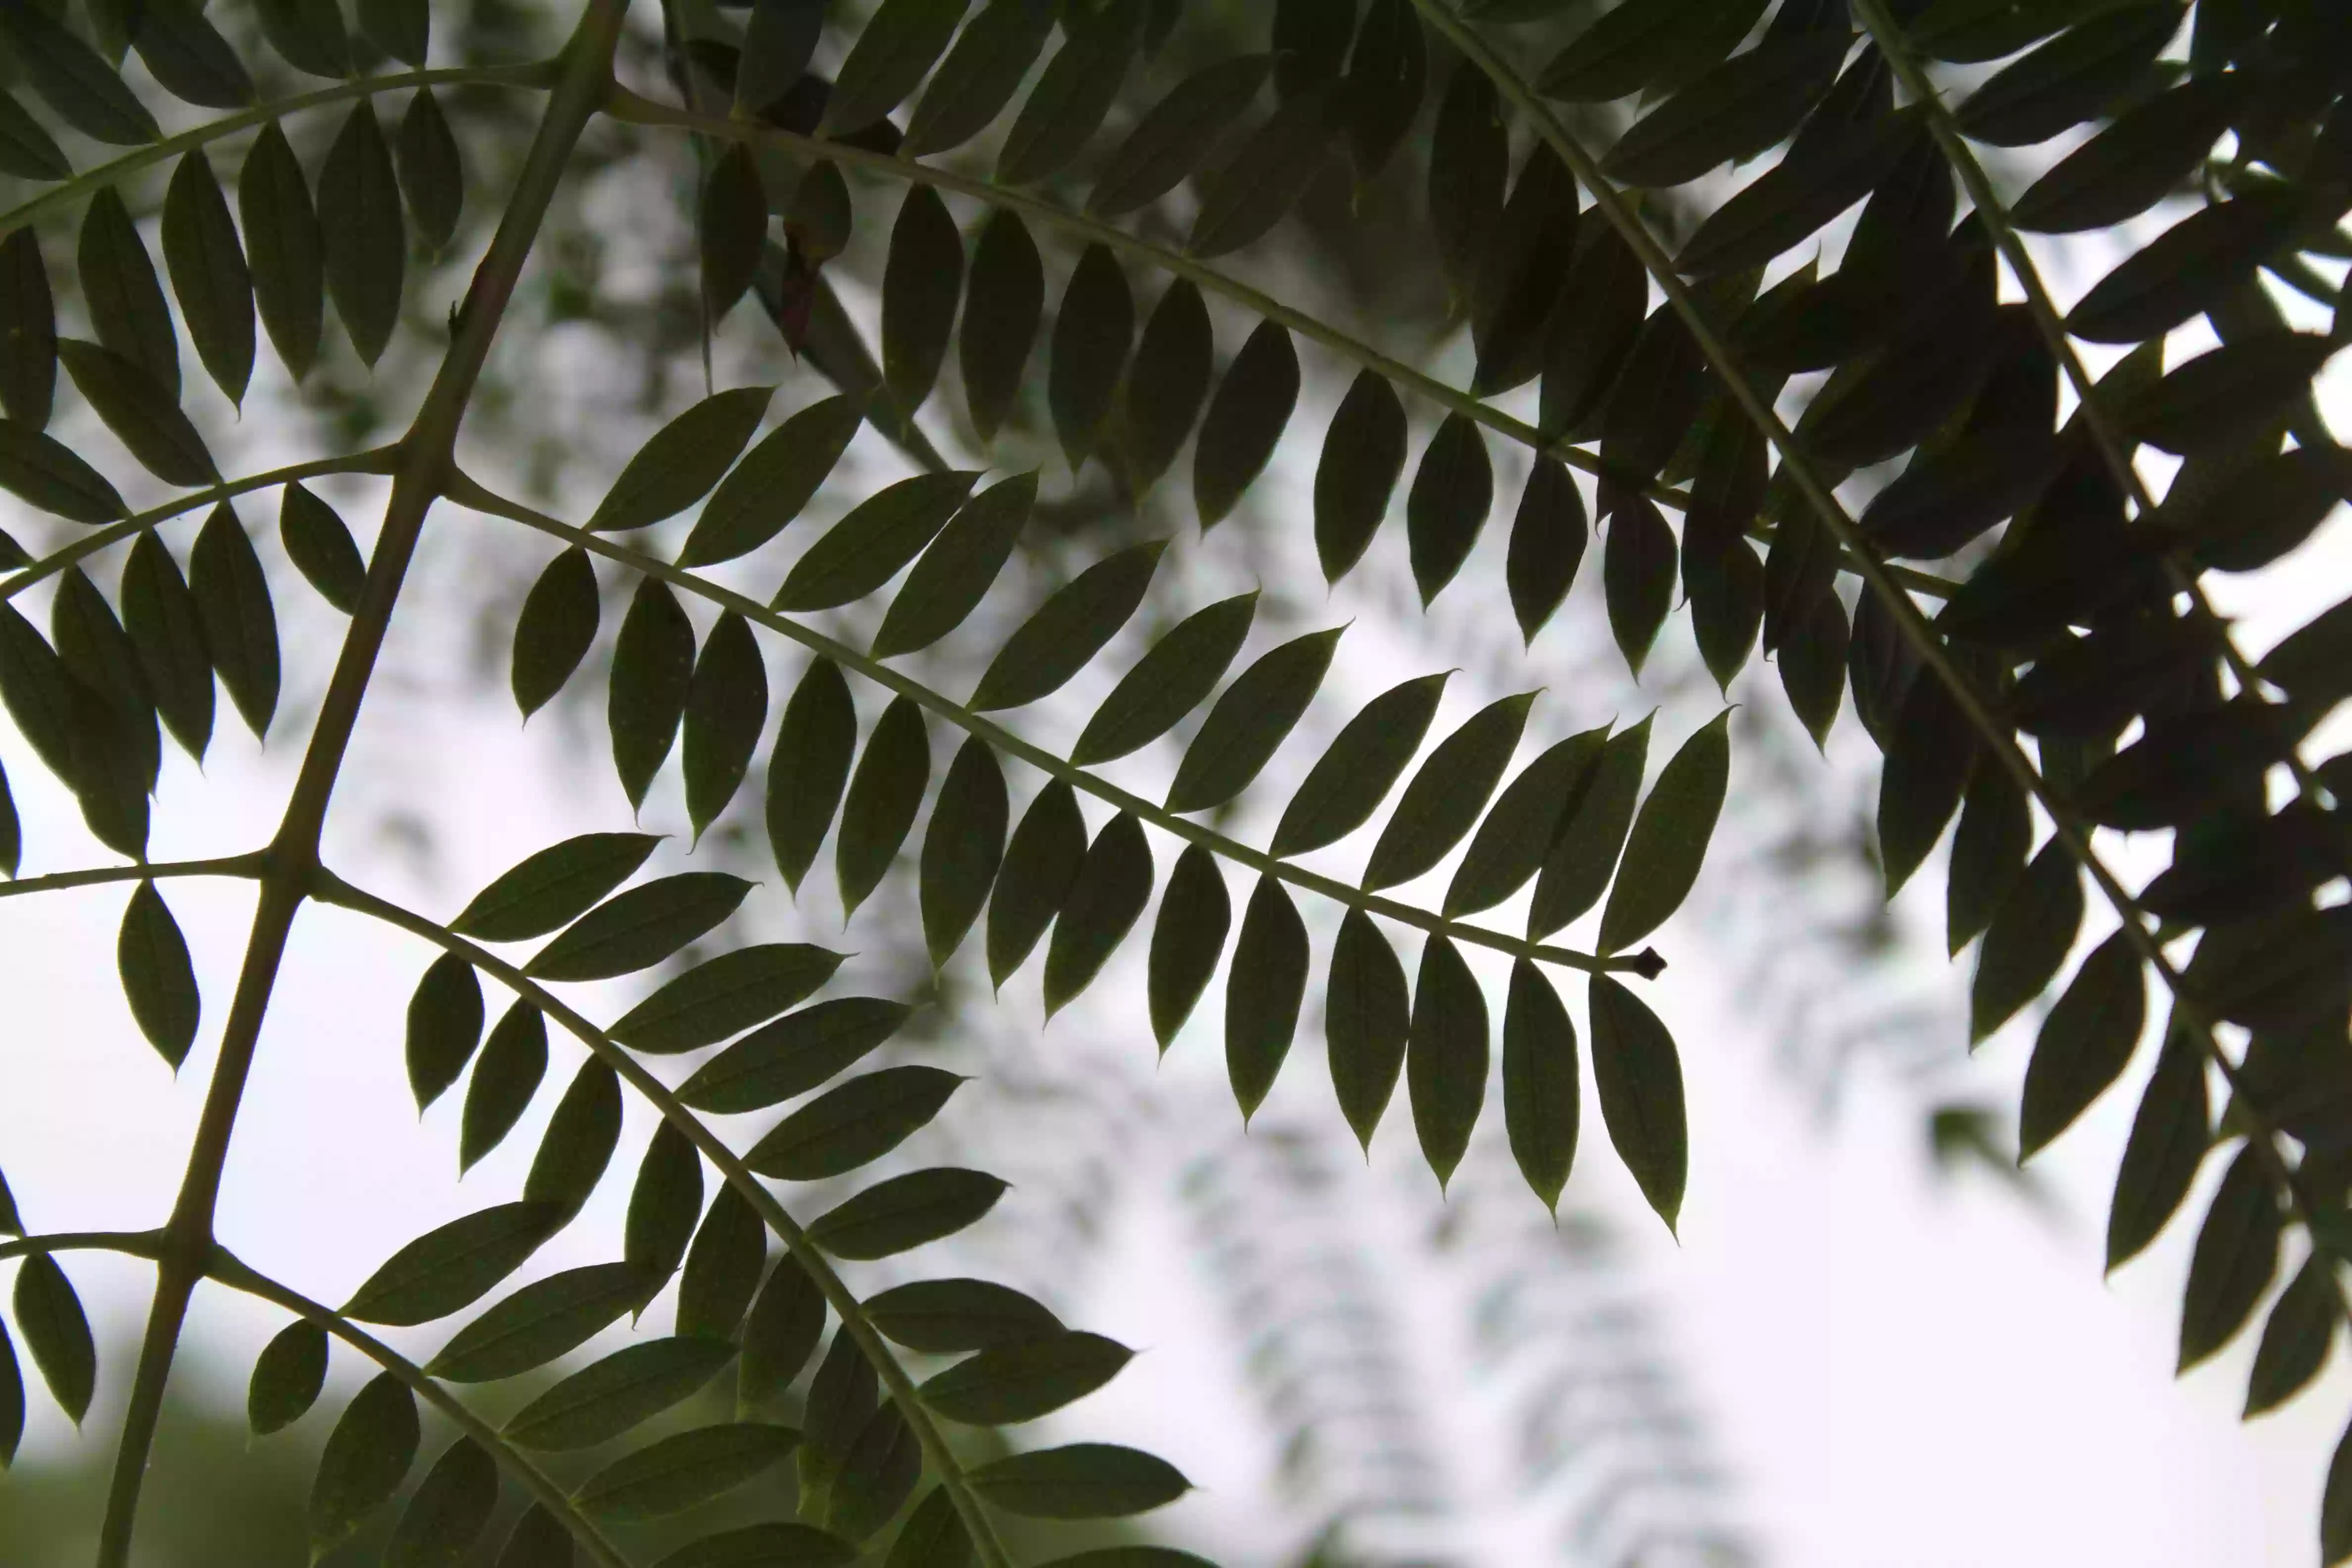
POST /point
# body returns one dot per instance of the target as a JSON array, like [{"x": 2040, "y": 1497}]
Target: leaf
[
  {"x": 1245, "y": 422},
  {"x": 578, "y": 1140},
  {"x": 2222, "y": 397},
  {"x": 2028, "y": 940},
  {"x": 680, "y": 462},
  {"x": 364, "y": 246},
  {"x": 448, "y": 1511},
  {"x": 1007, "y": 295},
  {"x": 1311, "y": 44},
  {"x": 2068, "y": 79},
  {"x": 1263, "y": 991},
  {"x": 1366, "y": 1021},
  {"x": 540, "y": 1322},
  {"x": 12, "y": 841},
  {"x": 1728, "y": 113},
  {"x": 1026, "y": 1379},
  {"x": 1518, "y": 834},
  {"x": 841, "y": 1396},
  {"x": 1669, "y": 839},
  {"x": 1592, "y": 331},
  {"x": 963, "y": 848},
  {"x": 1638, "y": 572},
  {"x": 28, "y": 345},
  {"x": 769, "y": 488},
  {"x": 1250, "y": 722},
  {"x": 883, "y": 798},
  {"x": 1388, "y": 73},
  {"x": 726, "y": 709},
  {"x": 1927, "y": 770},
  {"x": 2132, "y": 164},
  {"x": 1092, "y": 335},
  {"x": 1988, "y": 854},
  {"x": 1189, "y": 938},
  {"x": 2170, "y": 1134},
  {"x": 75, "y": 80},
  {"x": 722, "y": 1268},
  {"x": 208, "y": 270},
  {"x": 792, "y": 1055},
  {"x": 765, "y": 1546},
  {"x": 233, "y": 600},
  {"x": 2085, "y": 1042},
  {"x": 43, "y": 472},
  {"x": 452, "y": 1266},
  {"x": 1633, "y": 44},
  {"x": 367, "y": 1456},
  {"x": 653, "y": 671},
  {"x": 158, "y": 981},
  {"x": 1173, "y": 678},
  {"x": 142, "y": 414},
  {"x": 853, "y": 1124},
  {"x": 287, "y": 1378},
  {"x": 320, "y": 548},
  {"x": 809, "y": 767},
  {"x": 1540, "y": 1098},
  {"x": 780, "y": 1333},
  {"x": 1363, "y": 454},
  {"x": 731, "y": 224},
  {"x": 943, "y": 1317},
  {"x": 1081, "y": 1480},
  {"x": 1452, "y": 490},
  {"x": 1113, "y": 884},
  {"x": 1363, "y": 762},
  {"x": 871, "y": 545},
  {"x": 37, "y": 691},
  {"x": 639, "y": 928},
  {"x": 1164, "y": 388},
  {"x": 723, "y": 995},
  {"x": 1469, "y": 160},
  {"x": 664, "y": 1204},
  {"x": 2236, "y": 1255},
  {"x": 284, "y": 248},
  {"x": 400, "y": 29},
  {"x": 904, "y": 1212},
  {"x": 1267, "y": 175},
  {"x": 1175, "y": 136},
  {"x": 893, "y": 53},
  {"x": 1041, "y": 865},
  {"x": 779, "y": 40},
  {"x": 49, "y": 1315},
  {"x": 2188, "y": 269},
  {"x": 2295, "y": 1340},
  {"x": 1446, "y": 796},
  {"x": 933, "y": 1537},
  {"x": 1067, "y": 630},
  {"x": 445, "y": 1026},
  {"x": 431, "y": 174},
  {"x": 1445, "y": 1056},
  {"x": 1524, "y": 263},
  {"x": 608, "y": 1397},
  {"x": 26, "y": 151},
  {"x": 685, "y": 1470},
  {"x": 1077, "y": 88},
  {"x": 555, "y": 629},
  {"x": 188, "y": 57},
  {"x": 1787, "y": 204},
  {"x": 920, "y": 285},
  {"x": 307, "y": 35},
  {"x": 553, "y": 886},
  {"x": 879, "y": 1472},
  {"x": 1640, "y": 1078},
  {"x": 505, "y": 1079},
  {"x": 1548, "y": 537}
]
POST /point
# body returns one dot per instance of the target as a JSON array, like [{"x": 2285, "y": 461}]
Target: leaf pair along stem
[{"x": 1647, "y": 963}]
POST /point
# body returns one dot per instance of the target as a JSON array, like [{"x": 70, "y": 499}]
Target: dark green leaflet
[
  {"x": 2219, "y": 398},
  {"x": 1512, "y": 844},
  {"x": 933, "y": 1536},
  {"x": 143, "y": 414},
  {"x": 2170, "y": 1134},
  {"x": 1023, "y": 1381},
  {"x": 945, "y": 1316},
  {"x": 453, "y": 1266},
  {"x": 2296, "y": 1340},
  {"x": 1113, "y": 884},
  {"x": 1172, "y": 680},
  {"x": 679, "y": 462},
  {"x": 553, "y": 886},
  {"x": 1352, "y": 777},
  {"x": 43, "y": 472},
  {"x": 400, "y": 29},
  {"x": 1363, "y": 454},
  {"x": 770, "y": 487},
  {"x": 1548, "y": 539},
  {"x": 884, "y": 797},
  {"x": 684, "y": 1469},
  {"x": 1189, "y": 938},
  {"x": 722, "y": 1268},
  {"x": 1447, "y": 794},
  {"x": 664, "y": 1204},
  {"x": 98, "y": 653},
  {"x": 779, "y": 39},
  {"x": 1067, "y": 630},
  {"x": 1171, "y": 142},
  {"x": 2068, "y": 79},
  {"x": 722, "y": 995},
  {"x": 1244, "y": 421},
  {"x": 1083, "y": 1480},
  {"x": 1041, "y": 865},
  {"x": 1388, "y": 73},
  {"x": 1452, "y": 491},
  {"x": 904, "y": 1212},
  {"x": 809, "y": 767},
  {"x": 1000, "y": 323},
  {"x": 2132, "y": 164},
  {"x": 893, "y": 51},
  {"x": 842, "y": 1395},
  {"x": 1638, "y": 572},
  {"x": 608, "y": 1397},
  {"x": 307, "y": 35},
  {"x": 363, "y": 242},
  {"x": 2028, "y": 940},
  {"x": 2236, "y": 1256},
  {"x": 732, "y": 223},
  {"x": 1263, "y": 991},
  {"x": 1925, "y": 772},
  {"x": 445, "y": 1026},
  {"x": 2191, "y": 266},
  {"x": 852, "y": 1125},
  {"x": 1164, "y": 388},
  {"x": 780, "y": 1333},
  {"x": 38, "y": 692},
  {"x": 1519, "y": 276},
  {"x": 1592, "y": 331},
  {"x": 1445, "y": 1056},
  {"x": 28, "y": 338},
  {"x": 1267, "y": 174},
  {"x": 283, "y": 248},
  {"x": 2085, "y": 1042},
  {"x": 188, "y": 57},
  {"x": 79, "y": 85},
  {"x": 1250, "y": 722},
  {"x": 819, "y": 220},
  {"x": 1640, "y": 1078},
  {"x": 1635, "y": 45},
  {"x": 979, "y": 77},
  {"x": 206, "y": 261},
  {"x": 920, "y": 285},
  {"x": 287, "y": 1378},
  {"x": 26, "y": 151},
  {"x": 1731, "y": 111},
  {"x": 448, "y": 1511},
  {"x": 578, "y": 1140},
  {"x": 1540, "y": 1100},
  {"x": 653, "y": 668},
  {"x": 1469, "y": 160},
  {"x": 539, "y": 1540},
  {"x": 545, "y": 1318},
  {"x": 158, "y": 981},
  {"x": 1669, "y": 839},
  {"x": 726, "y": 709},
  {"x": 963, "y": 848},
  {"x": 1788, "y": 203},
  {"x": 792, "y": 1055},
  {"x": 1076, "y": 90},
  {"x": 1367, "y": 1018},
  {"x": 431, "y": 174},
  {"x": 639, "y": 928},
  {"x": 879, "y": 1473},
  {"x": 763, "y": 1546},
  {"x": 871, "y": 545},
  {"x": 240, "y": 629},
  {"x": 56, "y": 1331},
  {"x": 1092, "y": 335},
  {"x": 1310, "y": 45},
  {"x": 1988, "y": 854},
  {"x": 367, "y": 1456},
  {"x": 322, "y": 548}
]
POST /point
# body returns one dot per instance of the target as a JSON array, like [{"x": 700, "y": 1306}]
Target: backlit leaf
[
  {"x": 29, "y": 339},
  {"x": 895, "y": 49},
  {"x": 1041, "y": 866},
  {"x": 852, "y": 1125},
  {"x": 1263, "y": 991},
  {"x": 884, "y": 795},
  {"x": 1640, "y": 1078},
  {"x": 722, "y": 1268},
  {"x": 1363, "y": 454},
  {"x": 1541, "y": 1099},
  {"x": 1363, "y": 762},
  {"x": 1173, "y": 138},
  {"x": 1075, "y": 91},
  {"x": 680, "y": 462},
  {"x": 1082, "y": 1481},
  {"x": 555, "y": 629},
  {"x": 726, "y": 709},
  {"x": 1669, "y": 839},
  {"x": 322, "y": 548},
  {"x": 2132, "y": 164},
  {"x": 731, "y": 224},
  {"x": 2296, "y": 1339},
  {"x": 43, "y": 472},
  {"x": 367, "y": 1456},
  {"x": 1092, "y": 335},
  {"x": 1173, "y": 678},
  {"x": 1267, "y": 174},
  {"x": 158, "y": 981},
  {"x": 2236, "y": 1255},
  {"x": 1000, "y": 323},
  {"x": 232, "y": 597},
  {"x": 578, "y": 1140},
  {"x": 765, "y": 1546},
  {"x": 56, "y": 1332},
  {"x": 904, "y": 1212},
  {"x": 1165, "y": 385},
  {"x": 1244, "y": 421},
  {"x": 1448, "y": 794},
  {"x": 1023, "y": 1381},
  {"x": 1067, "y": 630},
  {"x": 664, "y": 1204},
  {"x": 361, "y": 238},
  {"x": 810, "y": 767},
  {"x": 400, "y": 29},
  {"x": 942, "y": 1317},
  {"x": 1445, "y": 1056},
  {"x": 545, "y": 1320},
  {"x": 608, "y": 1397},
  {"x": 963, "y": 848},
  {"x": 287, "y": 1378},
  {"x": 140, "y": 412},
  {"x": 2028, "y": 940},
  {"x": 283, "y": 246},
  {"x": 792, "y": 1055},
  {"x": 26, "y": 151},
  {"x": 1250, "y": 720},
  {"x": 684, "y": 1469},
  {"x": 639, "y": 928},
  {"x": 2085, "y": 1042},
  {"x": 206, "y": 260},
  {"x": 770, "y": 487},
  {"x": 920, "y": 285},
  {"x": 873, "y": 542},
  {"x": 75, "y": 79},
  {"x": 1633, "y": 44},
  {"x": 431, "y": 174},
  {"x": 723, "y": 995},
  {"x": 653, "y": 669},
  {"x": 780, "y": 1333},
  {"x": 188, "y": 57},
  {"x": 553, "y": 886},
  {"x": 1452, "y": 491},
  {"x": 1989, "y": 854},
  {"x": 453, "y": 1266},
  {"x": 1511, "y": 845},
  {"x": 1729, "y": 111},
  {"x": 1113, "y": 884},
  {"x": 1187, "y": 940}
]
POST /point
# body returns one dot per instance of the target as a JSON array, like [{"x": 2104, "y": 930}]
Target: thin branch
[
  {"x": 147, "y": 1244},
  {"x": 464, "y": 490},
  {"x": 250, "y": 865},
  {"x": 330, "y": 889}
]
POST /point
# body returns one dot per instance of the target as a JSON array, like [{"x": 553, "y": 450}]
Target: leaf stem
[
  {"x": 332, "y": 889},
  {"x": 248, "y": 865},
  {"x": 1647, "y": 963},
  {"x": 148, "y": 1243}
]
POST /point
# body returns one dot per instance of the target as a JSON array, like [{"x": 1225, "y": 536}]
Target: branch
[
  {"x": 132, "y": 1243},
  {"x": 1647, "y": 963},
  {"x": 248, "y": 865},
  {"x": 330, "y": 889}
]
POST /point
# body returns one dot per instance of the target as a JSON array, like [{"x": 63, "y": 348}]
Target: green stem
[
  {"x": 465, "y": 492},
  {"x": 328, "y": 887},
  {"x": 424, "y": 459},
  {"x": 250, "y": 865},
  {"x": 528, "y": 76},
  {"x": 147, "y": 1244},
  {"x": 629, "y": 107},
  {"x": 379, "y": 460}
]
